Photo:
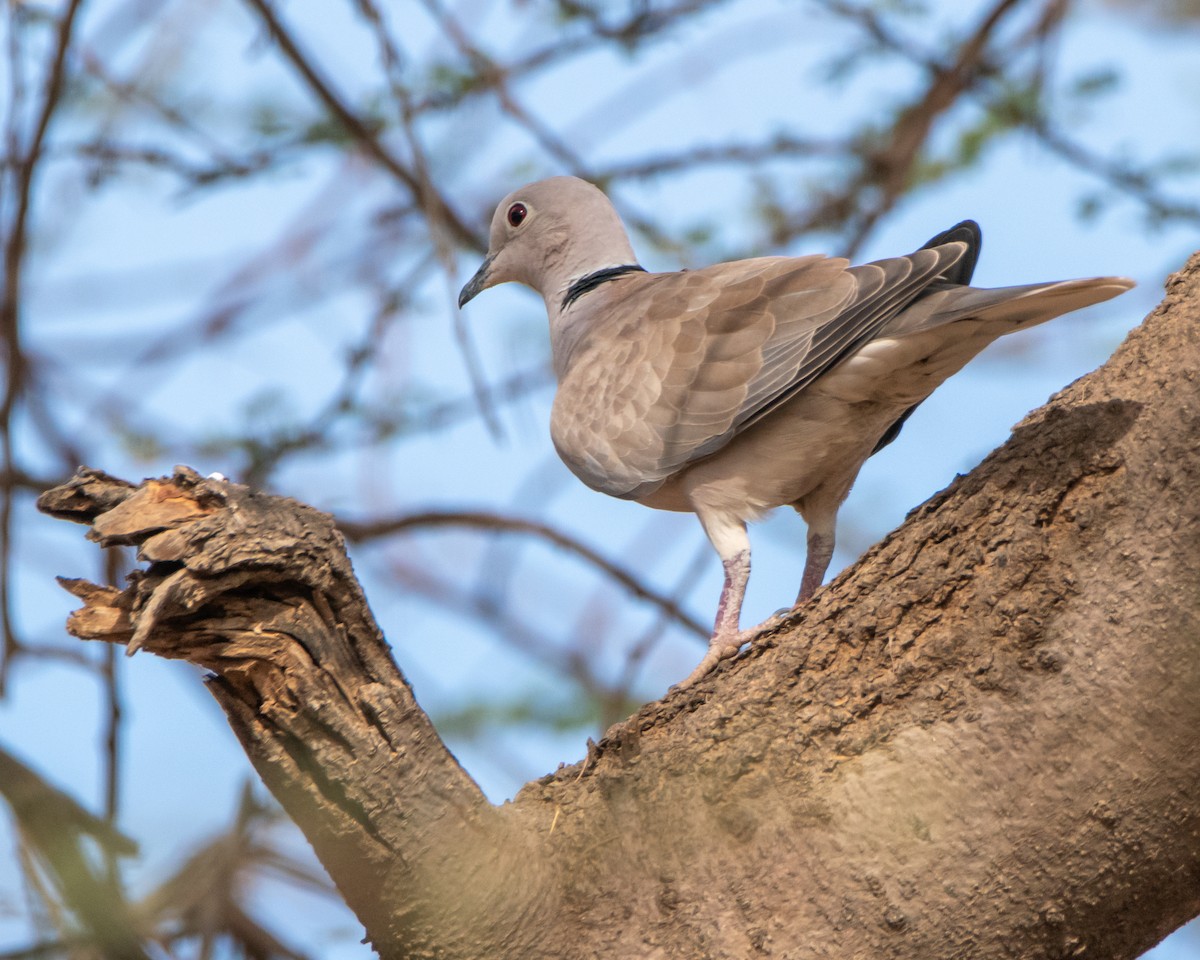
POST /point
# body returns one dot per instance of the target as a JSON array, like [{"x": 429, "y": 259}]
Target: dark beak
[{"x": 475, "y": 284}]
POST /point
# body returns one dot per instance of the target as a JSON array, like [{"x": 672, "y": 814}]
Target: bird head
[{"x": 548, "y": 234}]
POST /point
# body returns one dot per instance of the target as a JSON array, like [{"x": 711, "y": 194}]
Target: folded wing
[{"x": 674, "y": 366}]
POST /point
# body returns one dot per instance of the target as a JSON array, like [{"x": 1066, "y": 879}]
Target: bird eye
[{"x": 517, "y": 213}]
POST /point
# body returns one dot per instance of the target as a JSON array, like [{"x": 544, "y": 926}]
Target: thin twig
[
  {"x": 354, "y": 125},
  {"x": 10, "y": 332},
  {"x": 498, "y": 523},
  {"x": 110, "y": 675}
]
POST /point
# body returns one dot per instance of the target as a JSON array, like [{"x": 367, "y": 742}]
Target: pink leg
[
  {"x": 821, "y": 518},
  {"x": 726, "y": 639},
  {"x": 728, "y": 536},
  {"x": 820, "y": 552},
  {"x": 729, "y": 607}
]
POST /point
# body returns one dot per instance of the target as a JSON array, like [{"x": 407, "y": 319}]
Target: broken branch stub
[
  {"x": 259, "y": 590},
  {"x": 203, "y": 539}
]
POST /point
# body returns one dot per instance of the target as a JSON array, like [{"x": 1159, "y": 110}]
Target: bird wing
[{"x": 665, "y": 369}]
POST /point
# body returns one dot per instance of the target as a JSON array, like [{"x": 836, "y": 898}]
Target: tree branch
[
  {"x": 498, "y": 523},
  {"x": 437, "y": 210},
  {"x": 979, "y": 741},
  {"x": 258, "y": 589},
  {"x": 10, "y": 303}
]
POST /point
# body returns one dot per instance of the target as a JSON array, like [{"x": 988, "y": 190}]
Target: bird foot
[{"x": 719, "y": 648}]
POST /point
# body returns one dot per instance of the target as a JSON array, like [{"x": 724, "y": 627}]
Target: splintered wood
[{"x": 121, "y": 514}]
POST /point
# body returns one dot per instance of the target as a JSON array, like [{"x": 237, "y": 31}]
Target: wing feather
[{"x": 673, "y": 366}]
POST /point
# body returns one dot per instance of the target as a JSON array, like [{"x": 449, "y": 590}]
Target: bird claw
[{"x": 719, "y": 648}]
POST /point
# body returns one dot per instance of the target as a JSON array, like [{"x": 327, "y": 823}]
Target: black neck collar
[{"x": 593, "y": 280}]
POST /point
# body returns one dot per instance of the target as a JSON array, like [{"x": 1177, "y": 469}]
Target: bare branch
[
  {"x": 362, "y": 532},
  {"x": 368, "y": 139},
  {"x": 10, "y": 301}
]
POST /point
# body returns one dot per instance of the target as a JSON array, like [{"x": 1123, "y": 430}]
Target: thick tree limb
[
  {"x": 980, "y": 741},
  {"x": 259, "y": 590}
]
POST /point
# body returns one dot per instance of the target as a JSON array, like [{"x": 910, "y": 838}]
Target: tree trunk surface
[{"x": 983, "y": 740}]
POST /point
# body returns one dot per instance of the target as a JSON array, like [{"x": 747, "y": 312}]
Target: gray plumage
[{"x": 744, "y": 386}]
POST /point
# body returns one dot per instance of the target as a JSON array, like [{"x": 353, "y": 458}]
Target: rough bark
[{"x": 982, "y": 740}]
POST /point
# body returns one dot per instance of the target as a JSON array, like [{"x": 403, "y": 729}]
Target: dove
[{"x": 730, "y": 390}]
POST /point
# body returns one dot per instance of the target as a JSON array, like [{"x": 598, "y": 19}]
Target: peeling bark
[{"x": 979, "y": 741}]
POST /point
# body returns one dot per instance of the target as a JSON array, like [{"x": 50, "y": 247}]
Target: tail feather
[
  {"x": 1028, "y": 304},
  {"x": 1005, "y": 308},
  {"x": 1014, "y": 306}
]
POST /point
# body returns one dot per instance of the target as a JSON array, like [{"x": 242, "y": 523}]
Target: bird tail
[{"x": 1029, "y": 304}]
